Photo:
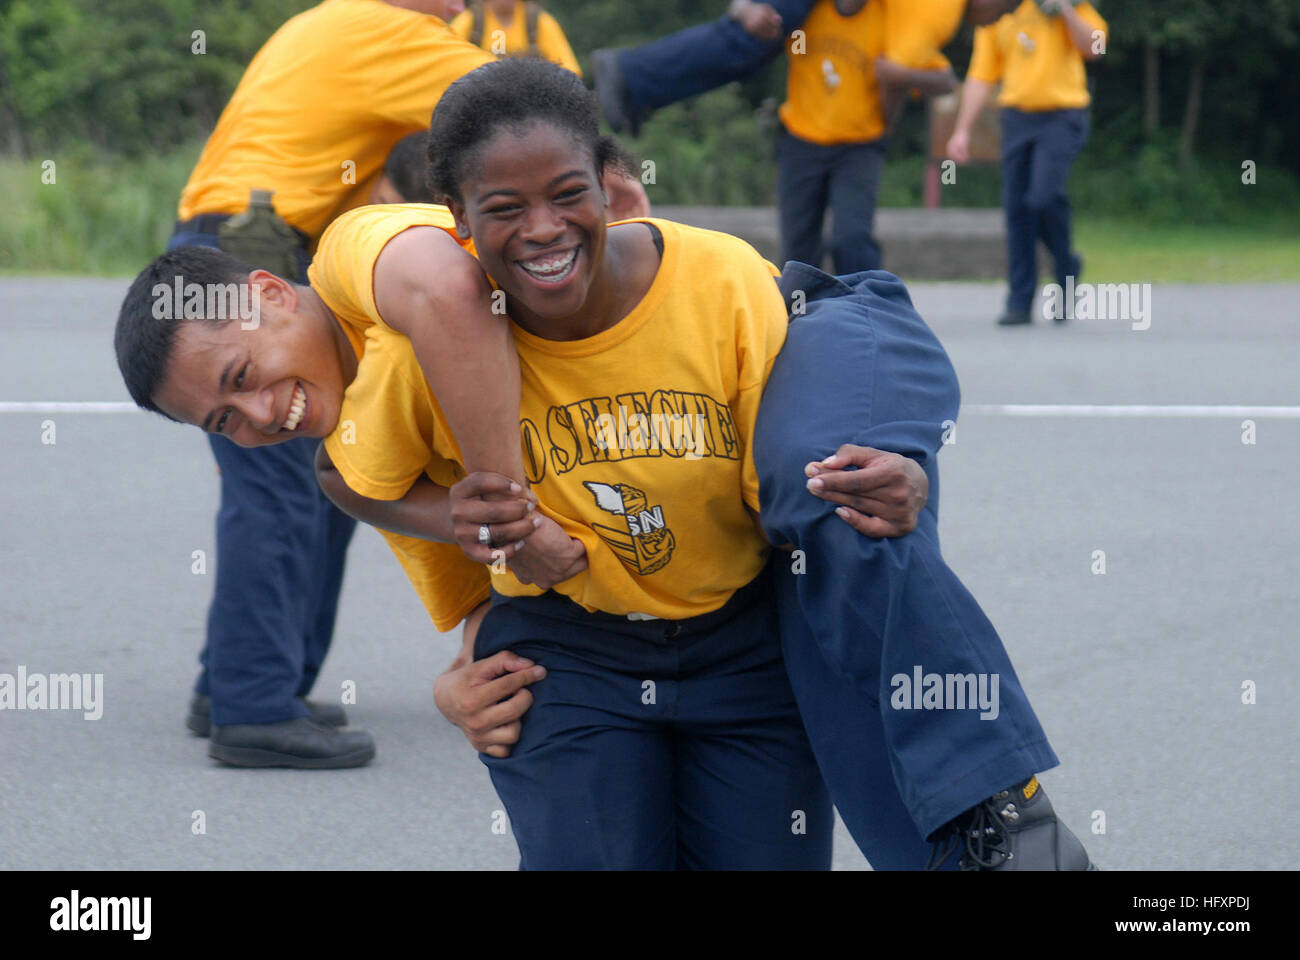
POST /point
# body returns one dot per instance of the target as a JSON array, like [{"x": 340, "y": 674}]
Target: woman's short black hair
[{"x": 514, "y": 93}]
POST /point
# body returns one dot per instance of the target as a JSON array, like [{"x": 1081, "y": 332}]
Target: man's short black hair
[
  {"x": 150, "y": 316},
  {"x": 513, "y": 93},
  {"x": 407, "y": 167}
]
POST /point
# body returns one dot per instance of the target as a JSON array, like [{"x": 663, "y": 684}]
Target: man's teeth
[
  {"x": 296, "y": 407},
  {"x": 551, "y": 267}
]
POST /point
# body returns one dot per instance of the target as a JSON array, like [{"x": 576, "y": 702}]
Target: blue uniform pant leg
[
  {"x": 864, "y": 368},
  {"x": 644, "y": 752},
  {"x": 854, "y": 185},
  {"x": 589, "y": 785},
  {"x": 334, "y": 533},
  {"x": 750, "y": 795},
  {"x": 803, "y": 178},
  {"x": 848, "y": 738},
  {"x": 268, "y": 589},
  {"x": 1019, "y": 142},
  {"x": 698, "y": 59},
  {"x": 1061, "y": 137}
]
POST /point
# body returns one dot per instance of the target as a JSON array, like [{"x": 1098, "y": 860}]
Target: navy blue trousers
[
  {"x": 1038, "y": 150},
  {"x": 658, "y": 745},
  {"x": 846, "y": 177},
  {"x": 860, "y": 366},
  {"x": 281, "y": 547},
  {"x": 700, "y": 58}
]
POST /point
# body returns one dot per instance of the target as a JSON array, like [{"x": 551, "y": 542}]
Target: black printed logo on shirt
[
  {"x": 666, "y": 423},
  {"x": 645, "y": 544}
]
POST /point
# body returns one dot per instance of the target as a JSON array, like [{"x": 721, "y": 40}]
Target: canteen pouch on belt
[{"x": 260, "y": 238}]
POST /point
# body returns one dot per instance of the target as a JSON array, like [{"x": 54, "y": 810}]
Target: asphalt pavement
[{"x": 1139, "y": 674}]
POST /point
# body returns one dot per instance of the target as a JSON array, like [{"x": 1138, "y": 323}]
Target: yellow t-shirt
[
  {"x": 512, "y": 41},
  {"x": 321, "y": 105},
  {"x": 637, "y": 440},
  {"x": 916, "y": 31},
  {"x": 390, "y": 428},
  {"x": 832, "y": 95},
  {"x": 1032, "y": 55}
]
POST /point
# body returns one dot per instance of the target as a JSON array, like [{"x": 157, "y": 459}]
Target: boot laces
[
  {"x": 988, "y": 841},
  {"x": 981, "y": 833}
]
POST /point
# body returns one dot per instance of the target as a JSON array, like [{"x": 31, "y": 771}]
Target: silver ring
[{"x": 484, "y": 535}]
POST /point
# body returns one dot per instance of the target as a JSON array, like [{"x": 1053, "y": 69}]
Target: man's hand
[
  {"x": 495, "y": 500},
  {"x": 552, "y": 556},
  {"x": 881, "y": 498},
  {"x": 760, "y": 20},
  {"x": 959, "y": 146},
  {"x": 486, "y": 698}
]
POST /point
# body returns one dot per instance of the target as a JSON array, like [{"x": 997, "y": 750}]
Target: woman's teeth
[
  {"x": 551, "y": 269},
  {"x": 296, "y": 407}
]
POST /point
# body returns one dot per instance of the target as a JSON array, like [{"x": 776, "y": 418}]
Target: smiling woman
[{"x": 664, "y": 734}]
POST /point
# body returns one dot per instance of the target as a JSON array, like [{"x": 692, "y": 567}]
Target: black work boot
[
  {"x": 619, "y": 113},
  {"x": 1012, "y": 830},
  {"x": 199, "y": 719},
  {"x": 303, "y": 743}
]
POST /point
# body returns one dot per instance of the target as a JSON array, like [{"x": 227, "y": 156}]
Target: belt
[{"x": 210, "y": 223}]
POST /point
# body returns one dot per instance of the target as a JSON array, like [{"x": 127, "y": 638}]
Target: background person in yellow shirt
[
  {"x": 830, "y": 150},
  {"x": 1037, "y": 52},
  {"x": 312, "y": 120},
  {"x": 632, "y": 82},
  {"x": 515, "y": 28}
]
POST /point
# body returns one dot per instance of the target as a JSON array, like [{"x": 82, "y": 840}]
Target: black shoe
[
  {"x": 1012, "y": 830},
  {"x": 621, "y": 116},
  {"x": 199, "y": 721},
  {"x": 1014, "y": 318},
  {"x": 302, "y": 743}
]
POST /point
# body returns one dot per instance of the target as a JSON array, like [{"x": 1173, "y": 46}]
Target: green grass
[
  {"x": 98, "y": 217},
  {"x": 109, "y": 217},
  {"x": 1116, "y": 251}
]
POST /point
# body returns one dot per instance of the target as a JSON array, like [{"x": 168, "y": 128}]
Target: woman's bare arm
[{"x": 432, "y": 291}]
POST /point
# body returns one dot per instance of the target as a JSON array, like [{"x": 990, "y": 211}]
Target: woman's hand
[
  {"x": 552, "y": 556},
  {"x": 504, "y": 506},
  {"x": 882, "y": 497}
]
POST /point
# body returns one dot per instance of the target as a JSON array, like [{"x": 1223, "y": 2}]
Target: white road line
[
  {"x": 1124, "y": 410},
  {"x": 976, "y": 409}
]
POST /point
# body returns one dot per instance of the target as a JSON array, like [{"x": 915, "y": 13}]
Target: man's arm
[
  {"x": 453, "y": 515},
  {"x": 900, "y": 79},
  {"x": 983, "y": 12},
  {"x": 896, "y": 80},
  {"x": 1080, "y": 31},
  {"x": 429, "y": 289},
  {"x": 974, "y": 95}
]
